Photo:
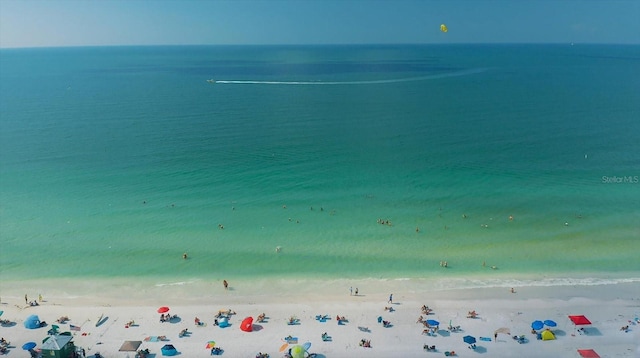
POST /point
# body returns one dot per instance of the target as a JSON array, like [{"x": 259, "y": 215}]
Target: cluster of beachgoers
[{"x": 562, "y": 321}]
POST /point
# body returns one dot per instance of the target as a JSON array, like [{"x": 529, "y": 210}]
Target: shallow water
[{"x": 116, "y": 161}]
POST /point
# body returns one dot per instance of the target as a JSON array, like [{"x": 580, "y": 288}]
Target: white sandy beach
[{"x": 609, "y": 307}]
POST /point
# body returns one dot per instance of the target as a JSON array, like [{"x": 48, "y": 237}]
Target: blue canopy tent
[
  {"x": 469, "y": 339},
  {"x": 32, "y": 322},
  {"x": 169, "y": 350}
]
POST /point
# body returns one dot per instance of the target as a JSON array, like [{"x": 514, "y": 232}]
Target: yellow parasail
[{"x": 443, "y": 28}]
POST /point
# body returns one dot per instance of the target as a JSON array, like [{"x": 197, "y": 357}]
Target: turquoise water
[{"x": 114, "y": 161}]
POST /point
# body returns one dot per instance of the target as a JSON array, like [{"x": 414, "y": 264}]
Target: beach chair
[
  {"x": 216, "y": 351},
  {"x": 55, "y": 329}
]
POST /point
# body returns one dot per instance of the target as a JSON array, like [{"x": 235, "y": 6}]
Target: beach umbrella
[
  {"x": 588, "y": 353},
  {"x": 504, "y": 330},
  {"x": 29, "y": 346},
  {"x": 306, "y": 346},
  {"x": 550, "y": 323},
  {"x": 469, "y": 339},
  {"x": 163, "y": 309},
  {"x": 210, "y": 344},
  {"x": 537, "y": 325},
  {"x": 1, "y": 312},
  {"x": 433, "y": 322},
  {"x": 297, "y": 351}
]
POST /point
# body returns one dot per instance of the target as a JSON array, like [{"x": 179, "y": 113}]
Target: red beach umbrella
[{"x": 163, "y": 309}]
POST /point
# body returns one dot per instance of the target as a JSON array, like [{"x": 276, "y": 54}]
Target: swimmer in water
[{"x": 184, "y": 256}]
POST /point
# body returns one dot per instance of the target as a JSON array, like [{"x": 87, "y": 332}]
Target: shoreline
[{"x": 199, "y": 290}]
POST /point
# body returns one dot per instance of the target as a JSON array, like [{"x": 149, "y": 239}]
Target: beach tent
[
  {"x": 223, "y": 322},
  {"x": 168, "y": 350},
  {"x": 130, "y": 346},
  {"x": 247, "y": 324},
  {"x": 547, "y": 335},
  {"x": 32, "y": 322},
  {"x": 588, "y": 353},
  {"x": 504, "y": 330},
  {"x": 58, "y": 346}
]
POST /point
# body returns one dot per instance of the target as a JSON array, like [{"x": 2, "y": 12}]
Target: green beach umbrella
[{"x": 297, "y": 352}]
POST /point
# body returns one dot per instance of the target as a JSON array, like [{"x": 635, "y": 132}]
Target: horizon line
[{"x": 323, "y": 44}]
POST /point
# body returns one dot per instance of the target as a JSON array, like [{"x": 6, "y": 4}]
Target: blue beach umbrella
[
  {"x": 550, "y": 323},
  {"x": 433, "y": 322},
  {"x": 469, "y": 339},
  {"x": 29, "y": 346},
  {"x": 537, "y": 325}
]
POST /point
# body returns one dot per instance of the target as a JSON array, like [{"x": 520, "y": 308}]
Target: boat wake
[{"x": 334, "y": 83}]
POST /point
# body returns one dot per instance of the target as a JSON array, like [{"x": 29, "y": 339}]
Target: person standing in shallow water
[{"x": 226, "y": 284}]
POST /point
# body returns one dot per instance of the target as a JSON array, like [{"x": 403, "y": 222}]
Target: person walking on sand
[
  {"x": 356, "y": 291},
  {"x": 350, "y": 291},
  {"x": 226, "y": 284},
  {"x": 26, "y": 300},
  {"x": 391, "y": 298}
]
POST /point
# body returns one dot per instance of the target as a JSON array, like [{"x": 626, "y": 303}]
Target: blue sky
[{"x": 35, "y": 23}]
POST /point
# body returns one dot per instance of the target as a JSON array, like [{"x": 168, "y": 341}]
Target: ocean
[{"x": 320, "y": 162}]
